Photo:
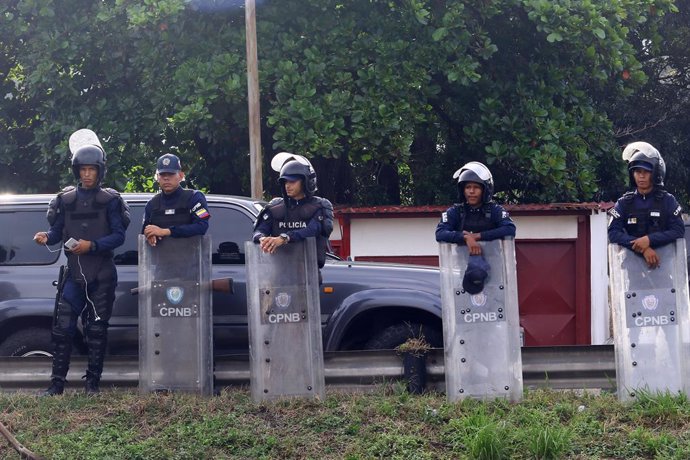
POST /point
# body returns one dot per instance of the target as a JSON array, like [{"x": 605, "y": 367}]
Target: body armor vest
[
  {"x": 641, "y": 222},
  {"x": 178, "y": 214},
  {"x": 477, "y": 221},
  {"x": 286, "y": 219},
  {"x": 86, "y": 218}
]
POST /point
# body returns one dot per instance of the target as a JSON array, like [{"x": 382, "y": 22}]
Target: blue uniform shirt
[
  {"x": 197, "y": 208},
  {"x": 645, "y": 204},
  {"x": 498, "y": 225},
  {"x": 109, "y": 242}
]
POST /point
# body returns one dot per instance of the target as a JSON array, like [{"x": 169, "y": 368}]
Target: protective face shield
[
  {"x": 293, "y": 167},
  {"x": 645, "y": 156},
  {"x": 475, "y": 171},
  {"x": 89, "y": 155}
]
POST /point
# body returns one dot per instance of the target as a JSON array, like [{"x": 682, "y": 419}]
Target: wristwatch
[{"x": 285, "y": 237}]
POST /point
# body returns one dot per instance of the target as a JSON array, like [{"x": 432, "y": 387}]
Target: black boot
[
  {"x": 91, "y": 384},
  {"x": 57, "y": 387}
]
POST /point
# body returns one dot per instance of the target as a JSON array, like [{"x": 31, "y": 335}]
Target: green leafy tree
[
  {"x": 386, "y": 98},
  {"x": 658, "y": 112}
]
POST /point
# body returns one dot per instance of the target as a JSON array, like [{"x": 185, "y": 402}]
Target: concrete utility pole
[{"x": 253, "y": 101}]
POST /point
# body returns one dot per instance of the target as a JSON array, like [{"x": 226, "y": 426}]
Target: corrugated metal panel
[{"x": 548, "y": 367}]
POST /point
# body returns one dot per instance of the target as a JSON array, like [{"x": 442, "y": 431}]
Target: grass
[{"x": 387, "y": 423}]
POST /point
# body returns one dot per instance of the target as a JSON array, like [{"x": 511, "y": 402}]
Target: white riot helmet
[
  {"x": 475, "y": 171},
  {"x": 645, "y": 156}
]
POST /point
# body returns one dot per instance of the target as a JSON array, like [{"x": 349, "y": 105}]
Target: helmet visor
[
  {"x": 283, "y": 157},
  {"x": 479, "y": 169},
  {"x": 643, "y": 148}
]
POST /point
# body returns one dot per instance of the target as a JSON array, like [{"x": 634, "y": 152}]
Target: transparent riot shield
[
  {"x": 481, "y": 332},
  {"x": 285, "y": 348},
  {"x": 650, "y": 321},
  {"x": 175, "y": 316}
]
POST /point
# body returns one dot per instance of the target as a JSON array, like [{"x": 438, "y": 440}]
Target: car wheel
[
  {"x": 28, "y": 342},
  {"x": 392, "y": 336}
]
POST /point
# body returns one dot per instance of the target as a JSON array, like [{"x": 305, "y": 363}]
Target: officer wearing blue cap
[
  {"x": 476, "y": 217},
  {"x": 299, "y": 214},
  {"x": 646, "y": 217},
  {"x": 175, "y": 211}
]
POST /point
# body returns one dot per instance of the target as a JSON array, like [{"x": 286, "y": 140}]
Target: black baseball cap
[
  {"x": 168, "y": 163},
  {"x": 476, "y": 274},
  {"x": 641, "y": 165}
]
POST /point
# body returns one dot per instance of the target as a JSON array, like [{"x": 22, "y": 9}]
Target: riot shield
[
  {"x": 283, "y": 310},
  {"x": 650, "y": 321},
  {"x": 481, "y": 332},
  {"x": 175, "y": 316}
]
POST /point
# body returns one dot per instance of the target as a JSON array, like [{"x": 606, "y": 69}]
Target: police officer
[
  {"x": 648, "y": 216},
  {"x": 476, "y": 217},
  {"x": 298, "y": 214},
  {"x": 175, "y": 211},
  {"x": 96, "y": 218}
]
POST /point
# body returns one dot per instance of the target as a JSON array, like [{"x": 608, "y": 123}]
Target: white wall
[
  {"x": 415, "y": 236},
  {"x": 600, "y": 279},
  {"x": 545, "y": 227},
  {"x": 393, "y": 237}
]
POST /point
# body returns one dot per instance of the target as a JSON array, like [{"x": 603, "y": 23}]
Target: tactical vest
[
  {"x": 475, "y": 222},
  {"x": 641, "y": 222},
  {"x": 286, "y": 219},
  {"x": 178, "y": 214},
  {"x": 86, "y": 219}
]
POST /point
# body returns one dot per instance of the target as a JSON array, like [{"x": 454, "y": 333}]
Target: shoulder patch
[
  {"x": 677, "y": 211},
  {"x": 444, "y": 217},
  {"x": 614, "y": 213}
]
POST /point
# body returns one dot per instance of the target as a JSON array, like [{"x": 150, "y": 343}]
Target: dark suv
[{"x": 363, "y": 305}]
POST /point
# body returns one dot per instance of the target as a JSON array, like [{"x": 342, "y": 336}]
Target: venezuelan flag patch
[{"x": 202, "y": 213}]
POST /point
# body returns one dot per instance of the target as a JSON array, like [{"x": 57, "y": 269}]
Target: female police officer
[
  {"x": 476, "y": 217},
  {"x": 299, "y": 214}
]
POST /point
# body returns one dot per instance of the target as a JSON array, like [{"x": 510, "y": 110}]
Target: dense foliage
[{"x": 388, "y": 98}]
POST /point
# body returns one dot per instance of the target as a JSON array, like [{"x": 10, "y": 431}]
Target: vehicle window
[
  {"x": 17, "y": 246},
  {"x": 229, "y": 229},
  {"x": 127, "y": 254}
]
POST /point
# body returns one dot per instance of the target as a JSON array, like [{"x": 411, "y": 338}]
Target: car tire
[
  {"x": 28, "y": 342},
  {"x": 396, "y": 334}
]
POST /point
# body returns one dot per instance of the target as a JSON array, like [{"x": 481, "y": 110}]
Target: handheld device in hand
[{"x": 71, "y": 244}]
